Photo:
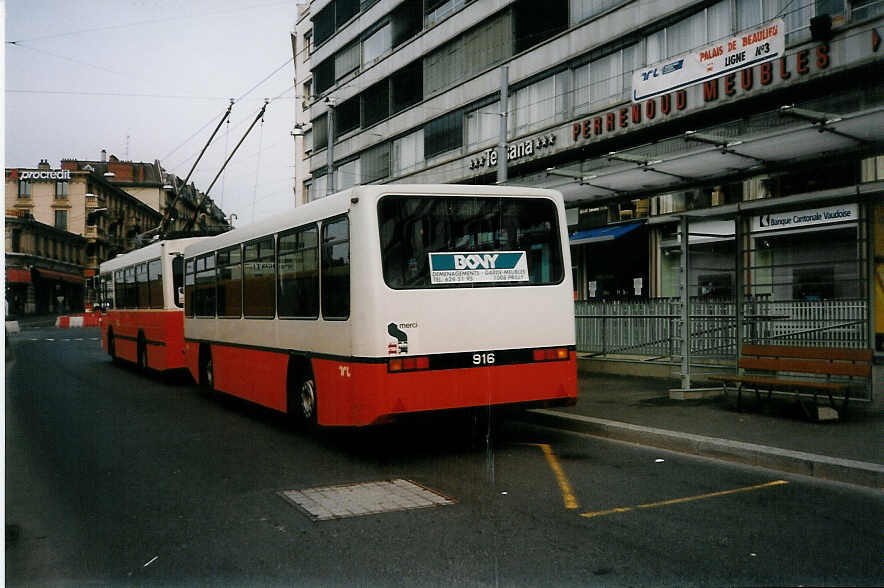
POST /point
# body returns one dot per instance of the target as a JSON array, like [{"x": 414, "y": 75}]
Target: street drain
[{"x": 354, "y": 500}]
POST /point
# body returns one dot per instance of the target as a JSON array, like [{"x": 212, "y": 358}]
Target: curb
[{"x": 796, "y": 462}]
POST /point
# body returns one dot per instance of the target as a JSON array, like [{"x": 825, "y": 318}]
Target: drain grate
[{"x": 354, "y": 500}]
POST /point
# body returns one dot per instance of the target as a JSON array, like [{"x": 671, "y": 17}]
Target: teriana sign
[{"x": 763, "y": 43}]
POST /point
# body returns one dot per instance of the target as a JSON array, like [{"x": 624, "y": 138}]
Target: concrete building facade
[{"x": 771, "y": 147}]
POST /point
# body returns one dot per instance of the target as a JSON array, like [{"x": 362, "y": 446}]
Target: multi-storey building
[
  {"x": 154, "y": 186},
  {"x": 301, "y": 46},
  {"x": 769, "y": 141},
  {"x": 62, "y": 223}
]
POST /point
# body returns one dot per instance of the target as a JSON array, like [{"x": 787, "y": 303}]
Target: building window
[
  {"x": 324, "y": 24},
  {"x": 336, "y": 269},
  {"x": 24, "y": 189},
  {"x": 259, "y": 276},
  {"x": 347, "y": 175},
  {"x": 585, "y": 9},
  {"x": 61, "y": 190},
  {"x": 483, "y": 124},
  {"x": 376, "y": 103},
  {"x": 535, "y": 22},
  {"x": 541, "y": 103},
  {"x": 346, "y": 61},
  {"x": 376, "y": 45},
  {"x": 407, "y": 86},
  {"x": 347, "y": 116},
  {"x": 406, "y": 22},
  {"x": 16, "y": 240},
  {"x": 408, "y": 152},
  {"x": 320, "y": 132},
  {"x": 324, "y": 75},
  {"x": 298, "y": 286},
  {"x": 443, "y": 134},
  {"x": 375, "y": 163},
  {"x": 61, "y": 220},
  {"x": 468, "y": 54},
  {"x": 438, "y": 10}
]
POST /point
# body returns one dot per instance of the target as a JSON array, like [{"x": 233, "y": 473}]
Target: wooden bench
[{"x": 810, "y": 371}]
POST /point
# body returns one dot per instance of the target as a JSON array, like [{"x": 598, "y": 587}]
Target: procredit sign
[
  {"x": 40, "y": 174},
  {"x": 763, "y": 43}
]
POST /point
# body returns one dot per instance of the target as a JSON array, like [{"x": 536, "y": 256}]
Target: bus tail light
[
  {"x": 555, "y": 354},
  {"x": 409, "y": 364}
]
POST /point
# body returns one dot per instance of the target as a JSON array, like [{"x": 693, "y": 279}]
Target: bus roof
[
  {"x": 340, "y": 202},
  {"x": 148, "y": 252}
]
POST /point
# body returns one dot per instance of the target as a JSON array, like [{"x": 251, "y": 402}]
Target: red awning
[
  {"x": 64, "y": 277},
  {"x": 18, "y": 276}
]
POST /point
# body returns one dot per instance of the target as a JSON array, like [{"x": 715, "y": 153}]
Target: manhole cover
[{"x": 354, "y": 500}]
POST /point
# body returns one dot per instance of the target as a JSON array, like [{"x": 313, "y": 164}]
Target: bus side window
[
  {"x": 336, "y": 269},
  {"x": 178, "y": 281}
]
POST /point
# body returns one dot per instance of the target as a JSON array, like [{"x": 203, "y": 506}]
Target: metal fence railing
[{"x": 652, "y": 328}]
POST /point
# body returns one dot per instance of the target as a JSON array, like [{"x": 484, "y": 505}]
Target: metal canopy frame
[{"x": 785, "y": 136}]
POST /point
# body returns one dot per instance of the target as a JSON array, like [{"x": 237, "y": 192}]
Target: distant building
[
  {"x": 302, "y": 133},
  {"x": 154, "y": 186},
  {"x": 45, "y": 267},
  {"x": 62, "y": 223}
]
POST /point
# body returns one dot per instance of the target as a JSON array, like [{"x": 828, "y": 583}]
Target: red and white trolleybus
[
  {"x": 144, "y": 314},
  {"x": 384, "y": 300}
]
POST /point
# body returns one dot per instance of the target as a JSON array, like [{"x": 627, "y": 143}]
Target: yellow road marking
[
  {"x": 681, "y": 500},
  {"x": 561, "y": 478}
]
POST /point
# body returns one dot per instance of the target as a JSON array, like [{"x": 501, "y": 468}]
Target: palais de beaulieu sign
[
  {"x": 804, "y": 63},
  {"x": 754, "y": 46}
]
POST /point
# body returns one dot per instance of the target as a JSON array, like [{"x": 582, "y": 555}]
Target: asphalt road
[{"x": 114, "y": 477}]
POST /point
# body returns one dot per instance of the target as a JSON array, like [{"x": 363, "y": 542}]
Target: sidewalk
[{"x": 779, "y": 437}]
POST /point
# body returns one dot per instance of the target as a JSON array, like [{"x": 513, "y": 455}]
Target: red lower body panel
[
  {"x": 357, "y": 394},
  {"x": 162, "y": 332}
]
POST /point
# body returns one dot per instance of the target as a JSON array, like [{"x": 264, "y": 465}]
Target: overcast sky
[{"x": 141, "y": 78}]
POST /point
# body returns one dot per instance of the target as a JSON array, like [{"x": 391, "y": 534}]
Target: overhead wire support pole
[
  {"x": 501, "y": 145},
  {"x": 205, "y": 197},
  {"x": 168, "y": 213}
]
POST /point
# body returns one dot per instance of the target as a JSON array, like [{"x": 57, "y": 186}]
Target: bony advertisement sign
[
  {"x": 757, "y": 45},
  {"x": 479, "y": 266},
  {"x": 805, "y": 218}
]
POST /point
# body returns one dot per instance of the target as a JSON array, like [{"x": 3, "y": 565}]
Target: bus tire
[
  {"x": 301, "y": 392},
  {"x": 111, "y": 345},
  {"x": 207, "y": 370},
  {"x": 142, "y": 353},
  {"x": 307, "y": 399}
]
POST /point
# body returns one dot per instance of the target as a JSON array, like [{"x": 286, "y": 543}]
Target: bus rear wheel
[
  {"x": 207, "y": 372},
  {"x": 306, "y": 396},
  {"x": 111, "y": 346},
  {"x": 142, "y": 355}
]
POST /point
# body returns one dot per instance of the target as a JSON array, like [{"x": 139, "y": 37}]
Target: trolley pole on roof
[
  {"x": 205, "y": 197},
  {"x": 171, "y": 207},
  {"x": 501, "y": 145}
]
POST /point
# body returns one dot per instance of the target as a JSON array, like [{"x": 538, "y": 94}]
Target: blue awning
[{"x": 602, "y": 234}]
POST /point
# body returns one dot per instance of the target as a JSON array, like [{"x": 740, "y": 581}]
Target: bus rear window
[{"x": 458, "y": 242}]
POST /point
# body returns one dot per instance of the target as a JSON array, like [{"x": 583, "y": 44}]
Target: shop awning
[
  {"x": 61, "y": 276},
  {"x": 768, "y": 140},
  {"x": 602, "y": 234},
  {"x": 18, "y": 276}
]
